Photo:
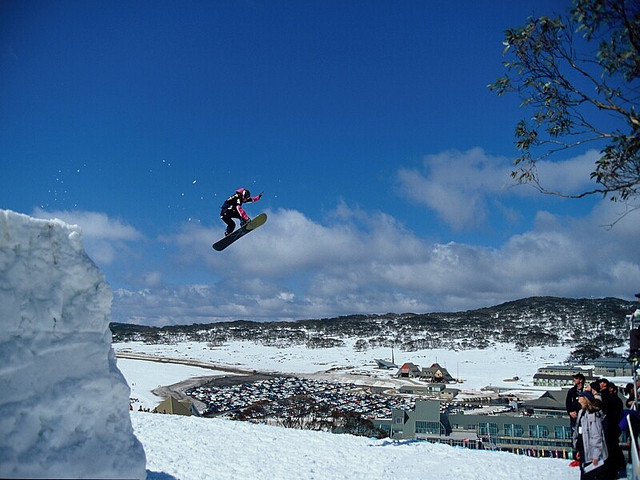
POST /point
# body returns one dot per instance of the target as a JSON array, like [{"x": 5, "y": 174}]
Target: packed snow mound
[{"x": 64, "y": 408}]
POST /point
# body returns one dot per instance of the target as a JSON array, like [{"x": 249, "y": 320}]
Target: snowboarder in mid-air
[{"x": 232, "y": 208}]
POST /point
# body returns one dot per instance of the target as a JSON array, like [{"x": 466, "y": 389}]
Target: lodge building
[
  {"x": 562, "y": 375},
  {"x": 541, "y": 428},
  {"x": 434, "y": 374}
]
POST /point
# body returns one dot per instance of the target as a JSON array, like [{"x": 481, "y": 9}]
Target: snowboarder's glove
[{"x": 244, "y": 221}]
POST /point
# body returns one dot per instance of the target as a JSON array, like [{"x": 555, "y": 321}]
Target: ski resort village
[{"x": 402, "y": 402}]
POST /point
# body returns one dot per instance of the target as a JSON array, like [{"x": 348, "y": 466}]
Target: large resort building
[{"x": 539, "y": 434}]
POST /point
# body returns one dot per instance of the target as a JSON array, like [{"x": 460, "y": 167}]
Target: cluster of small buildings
[
  {"x": 276, "y": 397},
  {"x": 433, "y": 374}
]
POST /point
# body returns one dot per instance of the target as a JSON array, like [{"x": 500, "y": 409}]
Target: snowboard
[{"x": 240, "y": 232}]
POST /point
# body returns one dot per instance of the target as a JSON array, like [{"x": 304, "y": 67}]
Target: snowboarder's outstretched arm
[
  {"x": 240, "y": 210},
  {"x": 256, "y": 198}
]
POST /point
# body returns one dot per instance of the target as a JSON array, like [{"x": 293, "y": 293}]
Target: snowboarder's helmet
[{"x": 245, "y": 194}]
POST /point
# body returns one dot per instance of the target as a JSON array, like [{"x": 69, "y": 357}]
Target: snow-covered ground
[
  {"x": 144, "y": 377},
  {"x": 190, "y": 448}
]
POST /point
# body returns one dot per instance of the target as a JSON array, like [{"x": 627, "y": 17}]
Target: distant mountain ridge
[{"x": 592, "y": 327}]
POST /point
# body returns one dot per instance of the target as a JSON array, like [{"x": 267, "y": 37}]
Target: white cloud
[
  {"x": 358, "y": 262},
  {"x": 104, "y": 238},
  {"x": 464, "y": 187},
  {"x": 457, "y": 185},
  {"x": 570, "y": 176},
  {"x": 145, "y": 279},
  {"x": 93, "y": 224}
]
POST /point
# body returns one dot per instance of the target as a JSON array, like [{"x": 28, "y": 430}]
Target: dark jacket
[
  {"x": 232, "y": 207},
  {"x": 571, "y": 402}
]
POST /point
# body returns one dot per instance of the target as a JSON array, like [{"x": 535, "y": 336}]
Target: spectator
[
  {"x": 573, "y": 407},
  {"x": 603, "y": 386},
  {"x": 588, "y": 439},
  {"x": 594, "y": 387},
  {"x": 612, "y": 410}
]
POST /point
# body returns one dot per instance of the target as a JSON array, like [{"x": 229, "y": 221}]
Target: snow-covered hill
[
  {"x": 190, "y": 448},
  {"x": 589, "y": 326}
]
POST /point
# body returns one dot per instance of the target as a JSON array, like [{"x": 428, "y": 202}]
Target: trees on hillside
[{"x": 579, "y": 73}]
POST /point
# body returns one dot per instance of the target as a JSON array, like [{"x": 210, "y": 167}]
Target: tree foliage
[{"x": 579, "y": 74}]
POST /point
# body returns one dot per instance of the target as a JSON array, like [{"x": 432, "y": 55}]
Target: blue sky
[{"x": 383, "y": 156}]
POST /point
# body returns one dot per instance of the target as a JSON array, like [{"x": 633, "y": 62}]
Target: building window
[
  {"x": 428, "y": 427},
  {"x": 538, "y": 431},
  {"x": 488, "y": 428},
  {"x": 513, "y": 430},
  {"x": 562, "y": 432}
]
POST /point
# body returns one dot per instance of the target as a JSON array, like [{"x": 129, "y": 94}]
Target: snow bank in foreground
[
  {"x": 64, "y": 403},
  {"x": 191, "y": 448}
]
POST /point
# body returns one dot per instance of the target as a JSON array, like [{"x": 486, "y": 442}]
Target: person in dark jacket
[
  {"x": 612, "y": 410},
  {"x": 573, "y": 406},
  {"x": 232, "y": 208}
]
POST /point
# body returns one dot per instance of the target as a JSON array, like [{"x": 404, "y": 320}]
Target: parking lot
[{"x": 264, "y": 397}]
